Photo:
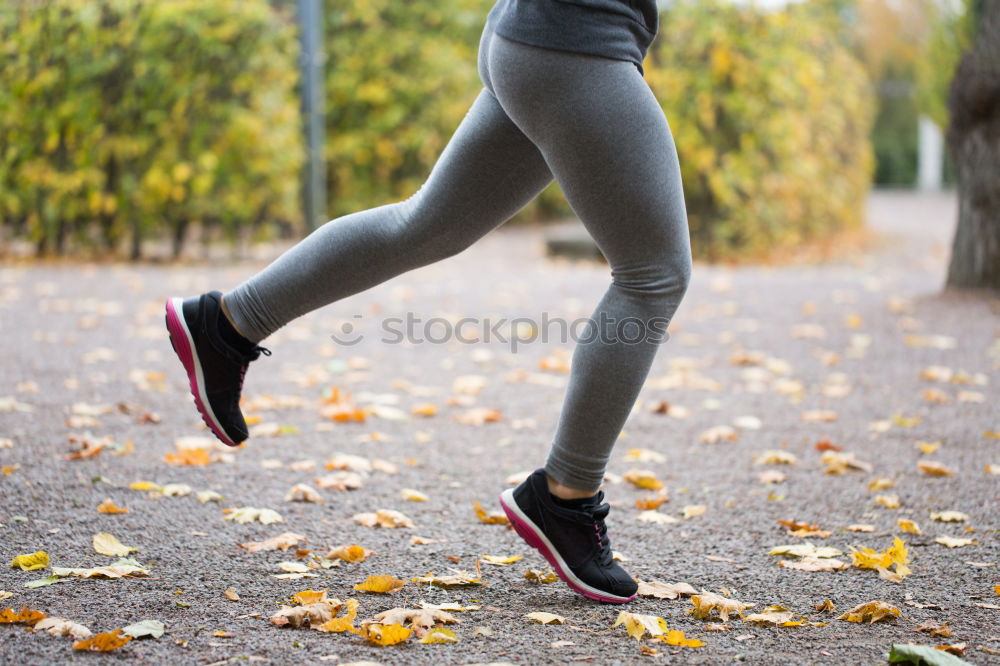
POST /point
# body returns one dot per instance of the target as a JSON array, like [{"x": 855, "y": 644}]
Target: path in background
[{"x": 850, "y": 339}]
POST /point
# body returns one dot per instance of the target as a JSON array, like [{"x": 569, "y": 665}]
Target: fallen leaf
[
  {"x": 676, "y": 638},
  {"x": 119, "y": 569},
  {"x": 151, "y": 628},
  {"x": 380, "y": 584},
  {"x": 814, "y": 564},
  {"x": 342, "y": 480},
  {"x": 803, "y": 530},
  {"x": 493, "y": 518},
  {"x": 176, "y": 490},
  {"x": 305, "y": 616},
  {"x": 706, "y": 602},
  {"x": 935, "y": 628},
  {"x": 775, "y": 616},
  {"x": 953, "y": 542},
  {"x": 105, "y": 642},
  {"x": 888, "y": 501},
  {"x": 458, "y": 579},
  {"x": 301, "y": 492},
  {"x": 772, "y": 476},
  {"x": 384, "y": 635},
  {"x": 931, "y": 468},
  {"x": 206, "y": 496},
  {"x": 641, "y": 478},
  {"x": 908, "y": 526},
  {"x": 839, "y": 463},
  {"x": 195, "y": 456},
  {"x": 881, "y": 483},
  {"x": 546, "y": 618},
  {"x": 107, "y": 506},
  {"x": 419, "y": 620},
  {"x": 540, "y": 577},
  {"x": 344, "y": 622},
  {"x": 693, "y": 510},
  {"x": 896, "y": 555},
  {"x": 660, "y": 590},
  {"x": 24, "y": 616},
  {"x": 38, "y": 560},
  {"x": 656, "y": 517},
  {"x": 108, "y": 544},
  {"x": 60, "y": 626},
  {"x": 652, "y": 502},
  {"x": 949, "y": 516},
  {"x": 144, "y": 485},
  {"x": 805, "y": 550},
  {"x": 645, "y": 456},
  {"x": 383, "y": 518},
  {"x": 825, "y": 606},
  {"x": 440, "y": 635},
  {"x": 720, "y": 433},
  {"x": 231, "y": 594},
  {"x": 637, "y": 625},
  {"x": 860, "y": 527},
  {"x": 352, "y": 553},
  {"x": 776, "y": 457},
  {"x": 5, "y": 595},
  {"x": 873, "y": 611},
  {"x": 501, "y": 560},
  {"x": 283, "y": 541},
  {"x": 248, "y": 514},
  {"x": 411, "y": 495}
]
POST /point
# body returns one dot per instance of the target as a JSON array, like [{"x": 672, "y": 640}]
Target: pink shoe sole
[
  {"x": 534, "y": 537},
  {"x": 183, "y": 344}
]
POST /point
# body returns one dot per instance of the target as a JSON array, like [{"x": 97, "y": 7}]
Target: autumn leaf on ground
[
  {"x": 935, "y": 628},
  {"x": 908, "y": 526},
  {"x": 653, "y": 516},
  {"x": 546, "y": 618},
  {"x": 458, "y": 579},
  {"x": 206, "y": 496},
  {"x": 380, "y": 584},
  {"x": 814, "y": 564},
  {"x": 144, "y": 485},
  {"x": 338, "y": 406},
  {"x": 144, "y": 629},
  {"x": 894, "y": 556},
  {"x": 888, "y": 501},
  {"x": 775, "y": 616},
  {"x": 776, "y": 457},
  {"x": 949, "y": 516},
  {"x": 305, "y": 616},
  {"x": 23, "y": 616},
  {"x": 5, "y": 595},
  {"x": 720, "y": 433},
  {"x": 645, "y": 456},
  {"x": 492, "y": 518},
  {"x": 440, "y": 635},
  {"x": 447, "y": 607},
  {"x": 881, "y": 483},
  {"x": 677, "y": 638},
  {"x": 176, "y": 490},
  {"x": 411, "y": 495},
  {"x": 383, "y": 518},
  {"x": 706, "y": 602},
  {"x": 660, "y": 590},
  {"x": 248, "y": 514},
  {"x": 838, "y": 463},
  {"x": 232, "y": 594},
  {"x": 344, "y": 622},
  {"x": 693, "y": 510},
  {"x": 652, "y": 502},
  {"x": 953, "y": 542},
  {"x": 32, "y": 562},
  {"x": 872, "y": 611},
  {"x": 771, "y": 476},
  {"x": 306, "y": 597},
  {"x": 477, "y": 416},
  {"x": 194, "y": 456},
  {"x": 803, "y": 530},
  {"x": 384, "y": 635},
  {"x": 931, "y": 468},
  {"x": 105, "y": 642},
  {"x": 819, "y": 416},
  {"x": 122, "y": 568},
  {"x": 541, "y": 577},
  {"x": 643, "y": 478},
  {"x": 825, "y": 606},
  {"x": 302, "y": 492},
  {"x": 637, "y": 625},
  {"x": 107, "y": 506},
  {"x": 283, "y": 541},
  {"x": 88, "y": 447},
  {"x": 340, "y": 480},
  {"x": 60, "y": 626},
  {"x": 352, "y": 553},
  {"x": 805, "y": 550},
  {"x": 419, "y": 620},
  {"x": 501, "y": 560},
  {"x": 108, "y": 544}
]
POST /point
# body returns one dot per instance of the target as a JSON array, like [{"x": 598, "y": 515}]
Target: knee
[{"x": 662, "y": 281}]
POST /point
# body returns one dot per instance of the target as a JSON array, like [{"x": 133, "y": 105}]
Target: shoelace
[
  {"x": 601, "y": 532},
  {"x": 252, "y": 356}
]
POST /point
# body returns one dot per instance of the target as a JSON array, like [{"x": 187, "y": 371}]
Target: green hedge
[
  {"x": 771, "y": 115},
  {"x": 123, "y": 119}
]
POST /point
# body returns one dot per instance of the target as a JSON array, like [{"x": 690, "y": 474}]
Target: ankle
[
  {"x": 566, "y": 492},
  {"x": 229, "y": 317}
]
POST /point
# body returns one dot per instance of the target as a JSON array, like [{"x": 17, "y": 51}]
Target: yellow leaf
[
  {"x": 637, "y": 625},
  {"x": 676, "y": 638},
  {"x": 344, "y": 622},
  {"x": 144, "y": 485},
  {"x": 190, "y": 456},
  {"x": 931, "y": 468},
  {"x": 546, "y": 618},
  {"x": 380, "y": 584},
  {"x": 352, "y": 553},
  {"x": 641, "y": 478},
  {"x": 706, "y": 602},
  {"x": 776, "y": 457},
  {"x": 881, "y": 483},
  {"x": 541, "y": 577},
  {"x": 500, "y": 560},
  {"x": 888, "y": 501},
  {"x": 411, "y": 495},
  {"x": 105, "y": 642},
  {"x": 908, "y": 526},
  {"x": 38, "y": 560},
  {"x": 306, "y": 597},
  {"x": 283, "y": 541},
  {"x": 928, "y": 447},
  {"x": 388, "y": 634},
  {"x": 24, "y": 616},
  {"x": 107, "y": 506},
  {"x": 495, "y": 518},
  {"x": 949, "y": 516},
  {"x": 107, "y": 544},
  {"x": 873, "y": 611},
  {"x": 440, "y": 635}
]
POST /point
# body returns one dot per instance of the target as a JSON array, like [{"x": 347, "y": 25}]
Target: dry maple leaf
[
  {"x": 775, "y": 616},
  {"x": 501, "y": 560},
  {"x": 814, "y": 564},
  {"x": 60, "y": 626},
  {"x": 106, "y": 642},
  {"x": 492, "y": 518},
  {"x": 380, "y": 584},
  {"x": 952, "y": 542},
  {"x": 637, "y": 625},
  {"x": 894, "y": 556},
  {"x": 872, "y": 611},
  {"x": 546, "y": 618},
  {"x": 194, "y": 456},
  {"x": 341, "y": 480},
  {"x": 706, "y": 602},
  {"x": 307, "y": 615},
  {"x": 302, "y": 492},
  {"x": 307, "y": 597},
  {"x": 664, "y": 590},
  {"x": 838, "y": 463},
  {"x": 107, "y": 506},
  {"x": 803, "y": 530},
  {"x": 720, "y": 433},
  {"x": 935, "y": 628},
  {"x": 541, "y": 577},
  {"x": 458, "y": 579},
  {"x": 931, "y": 468},
  {"x": 775, "y": 457},
  {"x": 108, "y": 544},
  {"x": 283, "y": 541},
  {"x": 352, "y": 553},
  {"x": 383, "y": 635},
  {"x": 24, "y": 616},
  {"x": 949, "y": 516},
  {"x": 344, "y": 622},
  {"x": 37, "y": 560},
  {"x": 383, "y": 518}
]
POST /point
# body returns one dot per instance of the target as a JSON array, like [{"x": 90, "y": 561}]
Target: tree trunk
[{"x": 974, "y": 144}]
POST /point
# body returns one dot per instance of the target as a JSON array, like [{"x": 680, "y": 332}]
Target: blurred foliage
[
  {"x": 951, "y": 35},
  {"x": 399, "y": 78},
  {"x": 123, "y": 119},
  {"x": 771, "y": 114}
]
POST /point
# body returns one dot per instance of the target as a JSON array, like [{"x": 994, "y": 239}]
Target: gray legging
[{"x": 594, "y": 124}]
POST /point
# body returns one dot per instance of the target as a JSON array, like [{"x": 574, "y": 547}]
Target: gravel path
[{"x": 850, "y": 338}]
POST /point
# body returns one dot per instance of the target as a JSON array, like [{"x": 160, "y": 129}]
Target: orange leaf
[
  {"x": 106, "y": 642},
  {"x": 388, "y": 634},
  {"x": 489, "y": 518},
  {"x": 25, "y": 616},
  {"x": 192, "y": 456},
  {"x": 380, "y": 584},
  {"x": 107, "y": 506},
  {"x": 352, "y": 553}
]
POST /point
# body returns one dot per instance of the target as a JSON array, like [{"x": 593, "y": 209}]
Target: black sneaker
[
  {"x": 215, "y": 368},
  {"x": 573, "y": 540}
]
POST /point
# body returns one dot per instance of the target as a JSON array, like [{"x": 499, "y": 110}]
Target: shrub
[
  {"x": 123, "y": 118},
  {"x": 771, "y": 116}
]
